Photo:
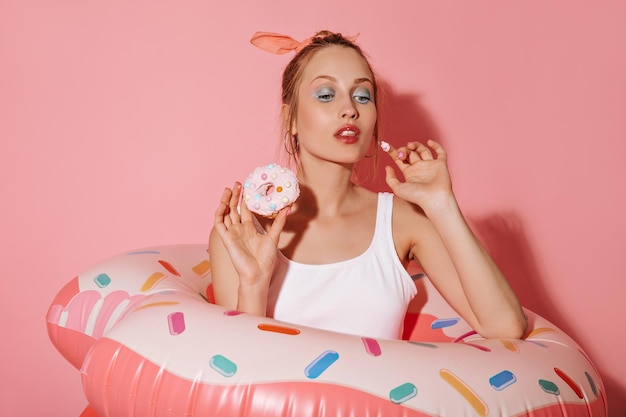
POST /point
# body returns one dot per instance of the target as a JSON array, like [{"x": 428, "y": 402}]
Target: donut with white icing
[{"x": 270, "y": 188}]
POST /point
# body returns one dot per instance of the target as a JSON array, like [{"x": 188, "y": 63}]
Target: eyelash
[
  {"x": 362, "y": 99},
  {"x": 327, "y": 97}
]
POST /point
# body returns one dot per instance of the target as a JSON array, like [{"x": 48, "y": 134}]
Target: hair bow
[{"x": 281, "y": 44}]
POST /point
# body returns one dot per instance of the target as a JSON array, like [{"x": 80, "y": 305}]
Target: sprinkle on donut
[{"x": 270, "y": 188}]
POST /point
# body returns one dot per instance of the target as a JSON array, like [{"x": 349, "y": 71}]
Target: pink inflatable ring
[{"x": 141, "y": 328}]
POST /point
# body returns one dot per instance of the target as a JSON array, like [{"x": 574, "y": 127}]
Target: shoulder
[
  {"x": 410, "y": 226},
  {"x": 407, "y": 212}
]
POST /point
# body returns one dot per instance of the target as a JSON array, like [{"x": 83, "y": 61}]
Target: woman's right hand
[{"x": 252, "y": 253}]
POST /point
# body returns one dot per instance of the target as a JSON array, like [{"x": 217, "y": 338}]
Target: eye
[
  {"x": 362, "y": 96},
  {"x": 324, "y": 95}
]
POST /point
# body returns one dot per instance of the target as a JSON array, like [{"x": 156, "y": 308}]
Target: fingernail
[
  {"x": 401, "y": 155},
  {"x": 384, "y": 146},
  {"x": 288, "y": 211}
]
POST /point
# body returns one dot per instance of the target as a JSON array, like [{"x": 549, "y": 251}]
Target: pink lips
[{"x": 348, "y": 134}]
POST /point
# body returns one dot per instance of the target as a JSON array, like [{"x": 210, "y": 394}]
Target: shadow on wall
[
  {"x": 504, "y": 237},
  {"x": 402, "y": 119}
]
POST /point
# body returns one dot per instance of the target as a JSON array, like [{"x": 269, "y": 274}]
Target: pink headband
[{"x": 281, "y": 44}]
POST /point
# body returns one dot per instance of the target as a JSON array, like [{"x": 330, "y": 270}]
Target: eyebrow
[
  {"x": 363, "y": 80},
  {"x": 331, "y": 78}
]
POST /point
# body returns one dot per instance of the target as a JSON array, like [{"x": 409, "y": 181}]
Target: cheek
[
  {"x": 311, "y": 118},
  {"x": 372, "y": 116}
]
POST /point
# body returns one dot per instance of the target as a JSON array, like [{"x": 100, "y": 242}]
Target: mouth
[{"x": 348, "y": 134}]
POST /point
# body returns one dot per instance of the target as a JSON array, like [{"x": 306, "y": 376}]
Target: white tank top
[{"x": 367, "y": 295}]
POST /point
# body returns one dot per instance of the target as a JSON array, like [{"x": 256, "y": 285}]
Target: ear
[{"x": 284, "y": 113}]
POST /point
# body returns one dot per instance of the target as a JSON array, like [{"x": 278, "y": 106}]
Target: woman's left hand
[{"x": 426, "y": 175}]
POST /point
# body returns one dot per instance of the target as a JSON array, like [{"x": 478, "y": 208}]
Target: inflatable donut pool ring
[
  {"x": 148, "y": 341},
  {"x": 270, "y": 188}
]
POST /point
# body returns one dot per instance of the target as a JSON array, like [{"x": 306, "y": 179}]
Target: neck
[{"x": 325, "y": 188}]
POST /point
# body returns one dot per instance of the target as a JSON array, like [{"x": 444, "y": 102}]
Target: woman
[{"x": 337, "y": 258}]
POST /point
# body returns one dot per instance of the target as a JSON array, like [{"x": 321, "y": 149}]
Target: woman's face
[{"x": 336, "y": 109}]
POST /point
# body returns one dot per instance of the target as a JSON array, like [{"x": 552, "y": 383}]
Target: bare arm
[
  {"x": 447, "y": 249},
  {"x": 242, "y": 258}
]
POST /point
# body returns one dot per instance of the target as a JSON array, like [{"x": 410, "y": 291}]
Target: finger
[
  {"x": 222, "y": 208},
  {"x": 441, "y": 153},
  {"x": 413, "y": 155},
  {"x": 398, "y": 154},
  {"x": 278, "y": 224},
  {"x": 234, "y": 203},
  {"x": 390, "y": 149},
  {"x": 403, "y": 154},
  {"x": 423, "y": 151},
  {"x": 218, "y": 221},
  {"x": 407, "y": 155},
  {"x": 391, "y": 178},
  {"x": 245, "y": 213},
  {"x": 412, "y": 145},
  {"x": 221, "y": 211}
]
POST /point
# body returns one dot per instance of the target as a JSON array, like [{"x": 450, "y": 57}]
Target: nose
[{"x": 349, "y": 111}]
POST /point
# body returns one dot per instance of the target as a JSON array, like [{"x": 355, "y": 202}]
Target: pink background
[{"x": 121, "y": 122}]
